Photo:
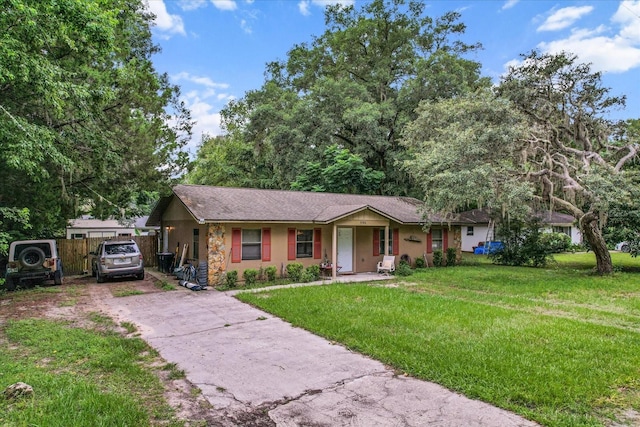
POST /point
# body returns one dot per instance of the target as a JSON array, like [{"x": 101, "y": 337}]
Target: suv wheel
[
  {"x": 625, "y": 248},
  {"x": 99, "y": 277},
  {"x": 9, "y": 284},
  {"x": 32, "y": 257},
  {"x": 140, "y": 276},
  {"x": 57, "y": 278}
]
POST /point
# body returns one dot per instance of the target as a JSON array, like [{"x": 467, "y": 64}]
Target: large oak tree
[
  {"x": 83, "y": 114},
  {"x": 355, "y": 87},
  {"x": 541, "y": 141}
]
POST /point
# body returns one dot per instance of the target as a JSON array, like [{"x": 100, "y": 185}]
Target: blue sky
[{"x": 216, "y": 50}]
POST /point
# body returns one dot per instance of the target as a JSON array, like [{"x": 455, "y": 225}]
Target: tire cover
[{"x": 32, "y": 257}]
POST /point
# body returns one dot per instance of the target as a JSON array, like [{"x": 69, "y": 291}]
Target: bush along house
[{"x": 241, "y": 228}]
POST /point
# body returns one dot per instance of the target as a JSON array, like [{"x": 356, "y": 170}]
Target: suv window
[
  {"x": 120, "y": 248},
  {"x": 43, "y": 246}
]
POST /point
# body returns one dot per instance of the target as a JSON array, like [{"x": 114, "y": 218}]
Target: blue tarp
[{"x": 488, "y": 247}]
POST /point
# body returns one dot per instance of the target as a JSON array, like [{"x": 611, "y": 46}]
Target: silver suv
[
  {"x": 32, "y": 262},
  {"x": 117, "y": 258}
]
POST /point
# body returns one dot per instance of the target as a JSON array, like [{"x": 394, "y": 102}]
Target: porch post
[
  {"x": 334, "y": 251},
  {"x": 386, "y": 240}
]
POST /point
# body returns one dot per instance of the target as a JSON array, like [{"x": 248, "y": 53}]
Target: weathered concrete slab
[{"x": 243, "y": 358}]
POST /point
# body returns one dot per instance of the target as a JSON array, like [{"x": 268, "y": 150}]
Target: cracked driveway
[{"x": 248, "y": 362}]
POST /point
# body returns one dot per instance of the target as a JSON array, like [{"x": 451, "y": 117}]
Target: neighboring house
[
  {"x": 89, "y": 227},
  {"x": 240, "y": 228},
  {"x": 476, "y": 227}
]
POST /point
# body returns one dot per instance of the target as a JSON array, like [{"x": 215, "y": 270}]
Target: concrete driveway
[{"x": 247, "y": 362}]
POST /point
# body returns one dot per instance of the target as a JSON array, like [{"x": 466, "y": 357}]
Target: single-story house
[
  {"x": 477, "y": 227},
  {"x": 241, "y": 228},
  {"x": 86, "y": 226}
]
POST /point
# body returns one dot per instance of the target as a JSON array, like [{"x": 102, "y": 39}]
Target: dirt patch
[{"x": 80, "y": 301}]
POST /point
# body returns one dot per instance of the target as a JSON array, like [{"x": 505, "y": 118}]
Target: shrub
[
  {"x": 522, "y": 245},
  {"x": 231, "y": 278},
  {"x": 420, "y": 263},
  {"x": 294, "y": 271},
  {"x": 437, "y": 258},
  {"x": 404, "y": 269},
  {"x": 250, "y": 276},
  {"x": 313, "y": 272},
  {"x": 261, "y": 276},
  {"x": 556, "y": 242},
  {"x": 270, "y": 273},
  {"x": 451, "y": 257}
]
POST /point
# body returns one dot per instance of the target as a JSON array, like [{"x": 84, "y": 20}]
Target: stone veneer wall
[
  {"x": 457, "y": 242},
  {"x": 216, "y": 253}
]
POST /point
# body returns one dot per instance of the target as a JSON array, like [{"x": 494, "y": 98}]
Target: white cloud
[
  {"x": 614, "y": 48},
  {"x": 165, "y": 22},
  {"x": 245, "y": 26},
  {"x": 628, "y": 17},
  {"x": 204, "y": 101},
  {"x": 224, "y": 4},
  {"x": 324, "y": 3},
  {"x": 303, "y": 7},
  {"x": 565, "y": 17},
  {"x": 207, "y": 122},
  {"x": 199, "y": 80},
  {"x": 509, "y": 4},
  {"x": 192, "y": 4},
  {"x": 606, "y": 54}
]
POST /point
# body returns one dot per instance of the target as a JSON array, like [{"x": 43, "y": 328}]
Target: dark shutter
[
  {"x": 445, "y": 239},
  {"x": 236, "y": 245},
  {"x": 291, "y": 244},
  {"x": 396, "y": 241},
  {"x": 376, "y": 242},
  {"x": 317, "y": 243},
  {"x": 429, "y": 243},
  {"x": 266, "y": 244}
]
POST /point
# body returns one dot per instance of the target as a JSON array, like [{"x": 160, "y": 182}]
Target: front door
[{"x": 345, "y": 250}]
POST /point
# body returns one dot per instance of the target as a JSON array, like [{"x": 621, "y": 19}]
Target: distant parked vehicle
[
  {"x": 488, "y": 247},
  {"x": 32, "y": 262},
  {"x": 623, "y": 247},
  {"x": 117, "y": 258}
]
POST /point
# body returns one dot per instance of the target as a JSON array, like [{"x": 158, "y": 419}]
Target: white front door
[{"x": 345, "y": 250}]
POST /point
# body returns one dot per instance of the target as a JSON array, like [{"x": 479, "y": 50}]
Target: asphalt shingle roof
[
  {"x": 481, "y": 216},
  {"x": 225, "y": 204}
]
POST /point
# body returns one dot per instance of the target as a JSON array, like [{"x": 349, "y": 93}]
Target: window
[
  {"x": 196, "y": 243},
  {"x": 120, "y": 248},
  {"x": 382, "y": 240},
  {"x": 78, "y": 236},
  {"x": 559, "y": 229},
  {"x": 304, "y": 243},
  {"x": 251, "y": 244},
  {"x": 436, "y": 240},
  {"x": 469, "y": 231}
]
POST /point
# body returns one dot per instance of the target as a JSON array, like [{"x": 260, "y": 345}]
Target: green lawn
[
  {"x": 559, "y": 345},
  {"x": 90, "y": 376}
]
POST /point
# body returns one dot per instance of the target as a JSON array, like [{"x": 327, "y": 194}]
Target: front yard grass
[
  {"x": 80, "y": 377},
  {"x": 559, "y": 345}
]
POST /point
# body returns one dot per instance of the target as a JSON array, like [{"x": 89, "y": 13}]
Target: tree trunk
[{"x": 591, "y": 232}]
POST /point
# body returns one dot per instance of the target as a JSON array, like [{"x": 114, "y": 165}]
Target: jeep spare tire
[{"x": 32, "y": 257}]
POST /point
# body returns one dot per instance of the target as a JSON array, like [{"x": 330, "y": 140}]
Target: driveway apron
[{"x": 243, "y": 358}]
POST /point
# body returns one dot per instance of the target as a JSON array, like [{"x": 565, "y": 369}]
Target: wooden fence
[{"x": 74, "y": 253}]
